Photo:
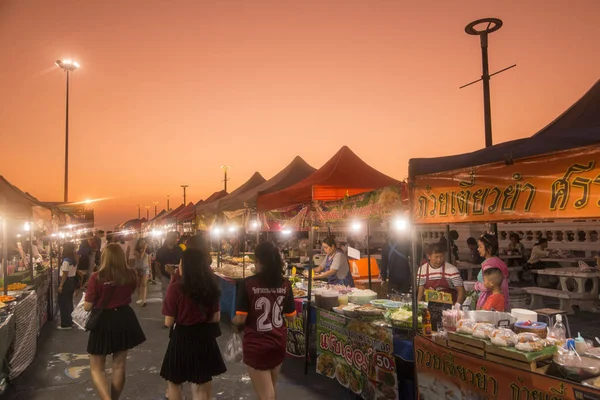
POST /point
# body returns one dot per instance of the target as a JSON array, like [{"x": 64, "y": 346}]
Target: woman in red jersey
[{"x": 262, "y": 302}]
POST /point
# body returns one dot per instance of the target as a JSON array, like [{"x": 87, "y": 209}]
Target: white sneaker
[{"x": 139, "y": 302}]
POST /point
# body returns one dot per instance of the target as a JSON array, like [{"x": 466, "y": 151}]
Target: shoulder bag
[{"x": 94, "y": 319}]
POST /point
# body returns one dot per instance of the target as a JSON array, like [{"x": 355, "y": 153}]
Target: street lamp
[
  {"x": 225, "y": 168},
  {"x": 68, "y": 66},
  {"x": 155, "y": 207}
]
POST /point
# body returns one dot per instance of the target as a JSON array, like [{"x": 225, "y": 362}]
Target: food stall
[
  {"x": 545, "y": 178},
  {"x": 24, "y": 277}
]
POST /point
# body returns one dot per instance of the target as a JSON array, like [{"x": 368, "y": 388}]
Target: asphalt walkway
[{"x": 60, "y": 370}]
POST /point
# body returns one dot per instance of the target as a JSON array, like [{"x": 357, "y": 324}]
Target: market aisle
[{"x": 60, "y": 370}]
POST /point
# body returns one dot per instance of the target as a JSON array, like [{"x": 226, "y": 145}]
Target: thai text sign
[
  {"x": 560, "y": 185},
  {"x": 358, "y": 354},
  {"x": 443, "y": 373}
]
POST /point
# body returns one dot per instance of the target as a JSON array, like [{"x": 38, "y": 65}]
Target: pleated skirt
[
  {"x": 193, "y": 355},
  {"x": 118, "y": 330}
]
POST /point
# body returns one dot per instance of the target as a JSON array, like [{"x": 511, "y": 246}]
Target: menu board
[{"x": 359, "y": 355}]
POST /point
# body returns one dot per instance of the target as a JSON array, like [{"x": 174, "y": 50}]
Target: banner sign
[
  {"x": 359, "y": 355},
  {"x": 296, "y": 342},
  {"x": 443, "y": 373},
  {"x": 559, "y": 185}
]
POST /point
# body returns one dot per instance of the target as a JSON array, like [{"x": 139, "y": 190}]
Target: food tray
[
  {"x": 468, "y": 340},
  {"x": 590, "y": 383}
]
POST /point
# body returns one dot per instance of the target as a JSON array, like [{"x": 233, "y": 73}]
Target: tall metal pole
[
  {"x": 485, "y": 78},
  {"x": 147, "y": 213},
  {"x": 168, "y": 202},
  {"x": 184, "y": 194},
  {"x": 66, "y": 196},
  {"x": 155, "y": 208},
  {"x": 493, "y": 24},
  {"x": 225, "y": 168}
]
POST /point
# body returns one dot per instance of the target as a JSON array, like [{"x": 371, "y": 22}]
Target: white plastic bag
[
  {"x": 234, "y": 352},
  {"x": 79, "y": 315}
]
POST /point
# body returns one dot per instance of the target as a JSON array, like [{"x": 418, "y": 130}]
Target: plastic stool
[{"x": 551, "y": 313}]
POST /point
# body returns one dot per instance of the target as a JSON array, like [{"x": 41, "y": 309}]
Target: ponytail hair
[{"x": 268, "y": 256}]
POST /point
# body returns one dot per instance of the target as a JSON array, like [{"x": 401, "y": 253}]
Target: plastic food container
[
  {"x": 539, "y": 328},
  {"x": 523, "y": 315}
]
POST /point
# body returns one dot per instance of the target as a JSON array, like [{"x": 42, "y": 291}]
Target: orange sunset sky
[{"x": 170, "y": 90}]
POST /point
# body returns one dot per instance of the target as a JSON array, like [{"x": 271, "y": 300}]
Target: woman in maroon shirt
[
  {"x": 262, "y": 302},
  {"x": 118, "y": 329},
  {"x": 191, "y": 308}
]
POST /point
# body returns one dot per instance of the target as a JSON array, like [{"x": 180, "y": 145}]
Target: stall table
[{"x": 580, "y": 278}]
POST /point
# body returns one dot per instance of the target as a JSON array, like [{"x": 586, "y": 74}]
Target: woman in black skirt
[
  {"x": 191, "y": 309},
  {"x": 118, "y": 329}
]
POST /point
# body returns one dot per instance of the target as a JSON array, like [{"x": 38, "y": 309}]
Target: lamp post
[
  {"x": 184, "y": 187},
  {"x": 68, "y": 66},
  {"x": 225, "y": 168},
  {"x": 147, "y": 213},
  {"x": 155, "y": 208},
  {"x": 168, "y": 202}
]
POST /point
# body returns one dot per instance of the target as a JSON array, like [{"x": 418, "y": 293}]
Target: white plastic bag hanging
[
  {"x": 79, "y": 315},
  {"x": 234, "y": 352}
]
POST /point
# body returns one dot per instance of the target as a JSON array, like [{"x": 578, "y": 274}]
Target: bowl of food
[
  {"x": 539, "y": 328},
  {"x": 369, "y": 313},
  {"x": 393, "y": 305},
  {"x": 380, "y": 303},
  {"x": 576, "y": 368}
]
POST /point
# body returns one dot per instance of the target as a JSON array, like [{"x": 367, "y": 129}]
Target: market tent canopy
[
  {"x": 188, "y": 213},
  {"x": 293, "y": 173},
  {"x": 579, "y": 126},
  {"x": 215, "y": 206},
  {"x": 345, "y": 174},
  {"x": 159, "y": 215},
  {"x": 15, "y": 203}
]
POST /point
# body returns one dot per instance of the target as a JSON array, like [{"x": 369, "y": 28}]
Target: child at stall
[{"x": 492, "y": 279}]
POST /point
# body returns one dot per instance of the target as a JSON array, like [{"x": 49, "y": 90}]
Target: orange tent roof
[{"x": 345, "y": 174}]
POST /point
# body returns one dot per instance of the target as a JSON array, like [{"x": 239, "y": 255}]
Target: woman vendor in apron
[
  {"x": 335, "y": 267},
  {"x": 440, "y": 276}
]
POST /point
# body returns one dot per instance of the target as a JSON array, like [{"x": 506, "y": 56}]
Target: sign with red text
[
  {"x": 359, "y": 355},
  {"x": 444, "y": 373}
]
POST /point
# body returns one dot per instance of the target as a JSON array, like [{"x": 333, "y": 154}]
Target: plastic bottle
[
  {"x": 558, "y": 331},
  {"x": 426, "y": 323},
  {"x": 581, "y": 346}
]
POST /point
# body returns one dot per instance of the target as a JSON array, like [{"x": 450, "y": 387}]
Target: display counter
[{"x": 443, "y": 371}]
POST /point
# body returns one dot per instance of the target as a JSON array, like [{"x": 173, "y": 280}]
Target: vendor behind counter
[{"x": 441, "y": 276}]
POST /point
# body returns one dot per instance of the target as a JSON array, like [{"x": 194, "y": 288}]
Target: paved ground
[{"x": 61, "y": 368}]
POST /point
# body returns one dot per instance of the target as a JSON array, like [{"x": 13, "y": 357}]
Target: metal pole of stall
[
  {"x": 30, "y": 252},
  {"x": 50, "y": 291},
  {"x": 369, "y": 251},
  {"x": 448, "y": 245},
  {"x": 415, "y": 278},
  {"x": 4, "y": 256},
  {"x": 311, "y": 238}
]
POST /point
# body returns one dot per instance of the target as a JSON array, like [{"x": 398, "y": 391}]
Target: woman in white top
[
  {"x": 539, "y": 251},
  {"x": 67, "y": 286}
]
